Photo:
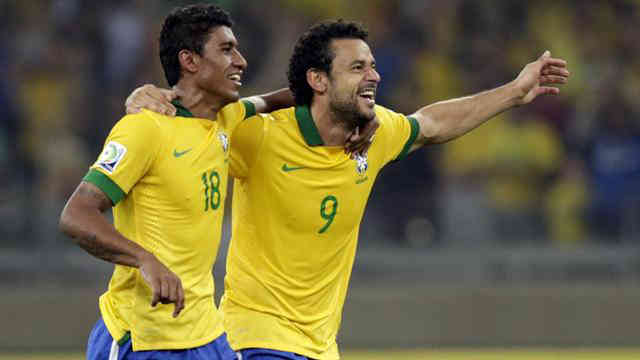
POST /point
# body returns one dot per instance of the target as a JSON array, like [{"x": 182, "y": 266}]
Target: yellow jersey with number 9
[
  {"x": 167, "y": 179},
  {"x": 297, "y": 207}
]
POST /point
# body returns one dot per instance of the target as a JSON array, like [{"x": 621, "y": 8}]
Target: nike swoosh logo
[
  {"x": 177, "y": 153},
  {"x": 286, "y": 168}
]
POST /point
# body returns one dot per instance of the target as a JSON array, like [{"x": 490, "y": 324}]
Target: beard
[{"x": 348, "y": 113}]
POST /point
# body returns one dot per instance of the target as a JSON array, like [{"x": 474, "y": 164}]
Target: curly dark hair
[
  {"x": 313, "y": 51},
  {"x": 188, "y": 28}
]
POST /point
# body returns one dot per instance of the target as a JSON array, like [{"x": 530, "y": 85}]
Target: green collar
[
  {"x": 181, "y": 110},
  {"x": 307, "y": 126}
]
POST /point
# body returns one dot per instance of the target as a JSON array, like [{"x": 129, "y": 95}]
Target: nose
[
  {"x": 239, "y": 60},
  {"x": 372, "y": 75}
]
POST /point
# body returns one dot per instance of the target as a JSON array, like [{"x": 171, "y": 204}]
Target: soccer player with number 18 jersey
[{"x": 166, "y": 178}]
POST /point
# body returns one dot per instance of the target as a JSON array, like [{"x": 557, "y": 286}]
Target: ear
[
  {"x": 189, "y": 60},
  {"x": 317, "y": 80}
]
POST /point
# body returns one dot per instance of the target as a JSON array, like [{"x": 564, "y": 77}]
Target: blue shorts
[
  {"x": 101, "y": 346},
  {"x": 268, "y": 354}
]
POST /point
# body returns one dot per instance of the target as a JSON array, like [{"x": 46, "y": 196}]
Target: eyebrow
[
  {"x": 362, "y": 62},
  {"x": 227, "y": 43}
]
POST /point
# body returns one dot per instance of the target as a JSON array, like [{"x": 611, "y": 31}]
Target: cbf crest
[
  {"x": 224, "y": 140},
  {"x": 362, "y": 164}
]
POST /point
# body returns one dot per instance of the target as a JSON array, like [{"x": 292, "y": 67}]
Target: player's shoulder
[
  {"x": 281, "y": 115},
  {"x": 143, "y": 120},
  {"x": 277, "y": 118},
  {"x": 387, "y": 117},
  {"x": 234, "y": 109},
  {"x": 385, "y": 114}
]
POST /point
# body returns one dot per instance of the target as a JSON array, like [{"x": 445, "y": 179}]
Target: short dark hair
[
  {"x": 188, "y": 28},
  {"x": 313, "y": 51}
]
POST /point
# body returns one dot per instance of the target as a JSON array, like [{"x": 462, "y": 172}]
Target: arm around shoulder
[{"x": 272, "y": 101}]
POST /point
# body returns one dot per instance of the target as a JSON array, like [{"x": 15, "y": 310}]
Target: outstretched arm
[
  {"x": 82, "y": 219},
  {"x": 447, "y": 120}
]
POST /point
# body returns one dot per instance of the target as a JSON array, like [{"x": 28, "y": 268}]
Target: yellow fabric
[
  {"x": 173, "y": 207},
  {"x": 288, "y": 269}
]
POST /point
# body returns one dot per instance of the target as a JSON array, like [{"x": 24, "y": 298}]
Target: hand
[
  {"x": 359, "y": 141},
  {"x": 534, "y": 79},
  {"x": 165, "y": 285},
  {"x": 152, "y": 98}
]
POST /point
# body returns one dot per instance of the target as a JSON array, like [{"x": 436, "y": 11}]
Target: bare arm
[
  {"x": 447, "y": 120},
  {"x": 82, "y": 219},
  {"x": 272, "y": 101},
  {"x": 159, "y": 100}
]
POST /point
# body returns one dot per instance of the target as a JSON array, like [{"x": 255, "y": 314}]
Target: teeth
[{"x": 235, "y": 77}]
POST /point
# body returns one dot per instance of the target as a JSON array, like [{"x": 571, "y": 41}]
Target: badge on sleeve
[{"x": 111, "y": 155}]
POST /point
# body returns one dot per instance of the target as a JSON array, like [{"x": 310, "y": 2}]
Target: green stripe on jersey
[
  {"x": 412, "y": 138},
  {"x": 249, "y": 109},
  {"x": 308, "y": 127},
  {"x": 104, "y": 183}
]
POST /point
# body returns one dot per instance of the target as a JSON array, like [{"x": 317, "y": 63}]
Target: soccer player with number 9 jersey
[{"x": 299, "y": 199}]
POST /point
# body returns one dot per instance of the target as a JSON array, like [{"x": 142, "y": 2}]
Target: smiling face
[
  {"x": 353, "y": 81},
  {"x": 221, "y": 66}
]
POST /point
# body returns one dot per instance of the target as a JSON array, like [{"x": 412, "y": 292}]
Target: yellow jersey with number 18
[
  {"x": 167, "y": 177},
  {"x": 297, "y": 207}
]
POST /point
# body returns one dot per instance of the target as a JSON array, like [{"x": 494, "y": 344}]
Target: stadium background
[{"x": 524, "y": 233}]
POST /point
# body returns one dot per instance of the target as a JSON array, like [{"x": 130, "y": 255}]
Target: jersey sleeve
[
  {"x": 128, "y": 153},
  {"x": 246, "y": 142},
  {"x": 397, "y": 133},
  {"x": 233, "y": 114}
]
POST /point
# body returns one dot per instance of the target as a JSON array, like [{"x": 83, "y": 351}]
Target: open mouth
[
  {"x": 369, "y": 95},
  {"x": 236, "y": 78}
]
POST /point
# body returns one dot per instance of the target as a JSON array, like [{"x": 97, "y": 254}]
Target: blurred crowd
[{"x": 564, "y": 171}]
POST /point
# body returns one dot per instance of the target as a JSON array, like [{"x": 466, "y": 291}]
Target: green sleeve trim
[
  {"x": 104, "y": 183},
  {"x": 123, "y": 340},
  {"x": 412, "y": 138},
  {"x": 249, "y": 108}
]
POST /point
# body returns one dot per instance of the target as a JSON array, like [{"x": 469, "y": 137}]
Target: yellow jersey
[
  {"x": 167, "y": 177},
  {"x": 297, "y": 207}
]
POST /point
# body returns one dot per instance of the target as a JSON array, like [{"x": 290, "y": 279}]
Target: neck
[
  {"x": 198, "y": 102},
  {"x": 332, "y": 127}
]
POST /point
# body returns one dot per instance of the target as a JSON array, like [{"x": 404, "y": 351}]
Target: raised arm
[
  {"x": 83, "y": 220},
  {"x": 447, "y": 120}
]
